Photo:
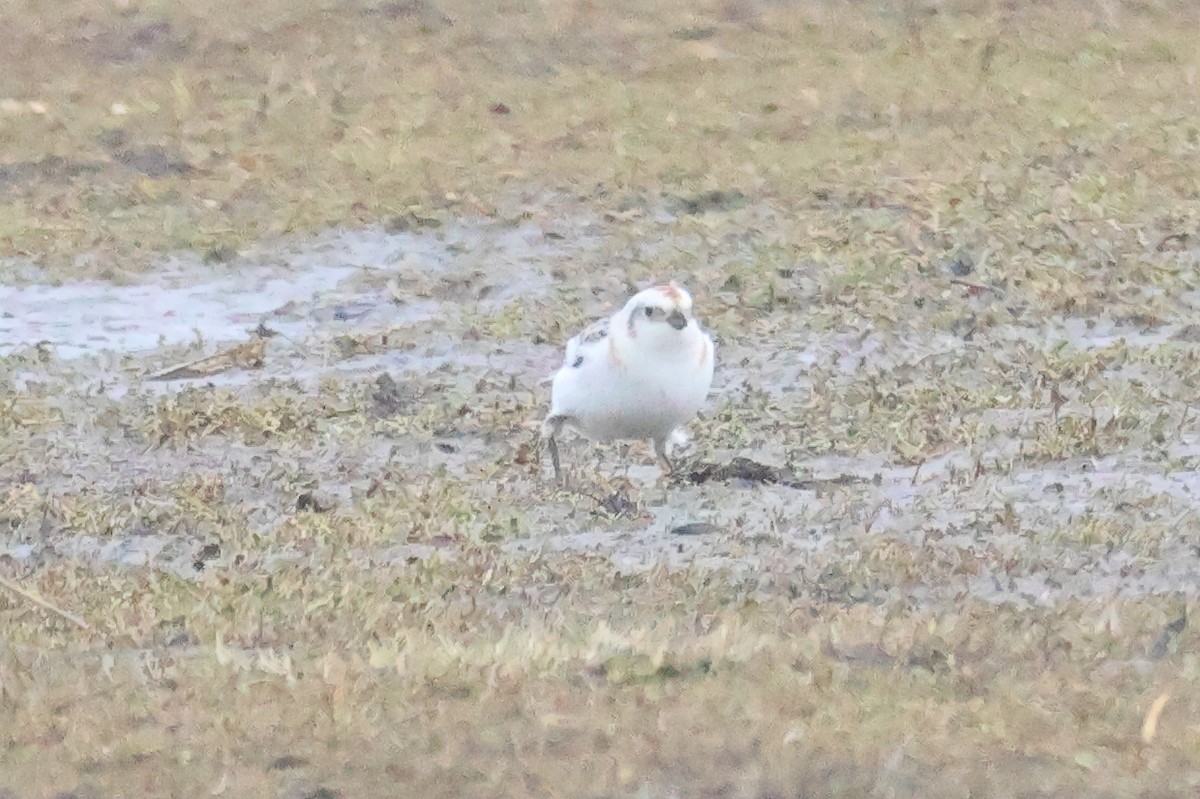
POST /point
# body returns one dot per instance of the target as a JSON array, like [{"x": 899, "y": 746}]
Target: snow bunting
[{"x": 639, "y": 374}]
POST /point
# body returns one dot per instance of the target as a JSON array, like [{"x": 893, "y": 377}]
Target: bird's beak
[{"x": 677, "y": 320}]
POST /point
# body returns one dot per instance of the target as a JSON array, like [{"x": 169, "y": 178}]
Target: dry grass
[
  {"x": 490, "y": 675},
  {"x": 134, "y": 128},
  {"x": 290, "y": 590}
]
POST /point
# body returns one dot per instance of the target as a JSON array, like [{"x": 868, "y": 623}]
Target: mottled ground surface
[{"x": 935, "y": 534}]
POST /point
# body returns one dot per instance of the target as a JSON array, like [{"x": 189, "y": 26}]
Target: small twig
[
  {"x": 37, "y": 600},
  {"x": 958, "y": 281}
]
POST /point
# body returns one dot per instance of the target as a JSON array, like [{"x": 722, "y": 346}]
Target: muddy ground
[{"x": 935, "y": 533}]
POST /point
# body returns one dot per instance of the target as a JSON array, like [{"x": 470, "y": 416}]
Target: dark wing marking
[{"x": 594, "y": 332}]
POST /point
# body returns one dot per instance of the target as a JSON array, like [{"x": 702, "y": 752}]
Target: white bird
[{"x": 639, "y": 374}]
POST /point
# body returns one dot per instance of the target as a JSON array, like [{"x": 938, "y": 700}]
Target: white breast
[{"x": 610, "y": 396}]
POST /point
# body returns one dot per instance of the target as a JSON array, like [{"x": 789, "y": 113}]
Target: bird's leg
[
  {"x": 552, "y": 445},
  {"x": 660, "y": 449},
  {"x": 550, "y": 429}
]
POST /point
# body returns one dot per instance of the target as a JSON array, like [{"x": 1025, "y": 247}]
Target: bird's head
[{"x": 661, "y": 317}]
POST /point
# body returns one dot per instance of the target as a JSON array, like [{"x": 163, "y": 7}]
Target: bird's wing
[{"x": 582, "y": 344}]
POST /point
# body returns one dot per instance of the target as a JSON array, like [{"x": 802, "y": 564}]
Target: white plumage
[{"x": 639, "y": 374}]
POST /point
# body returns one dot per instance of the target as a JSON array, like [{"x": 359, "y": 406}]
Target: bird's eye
[{"x": 649, "y": 312}]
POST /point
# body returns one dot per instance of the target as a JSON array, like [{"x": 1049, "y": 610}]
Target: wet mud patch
[
  {"x": 344, "y": 284},
  {"x": 152, "y": 160},
  {"x": 51, "y": 169},
  {"x": 135, "y": 38},
  {"x": 745, "y": 472},
  {"x": 384, "y": 387}
]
